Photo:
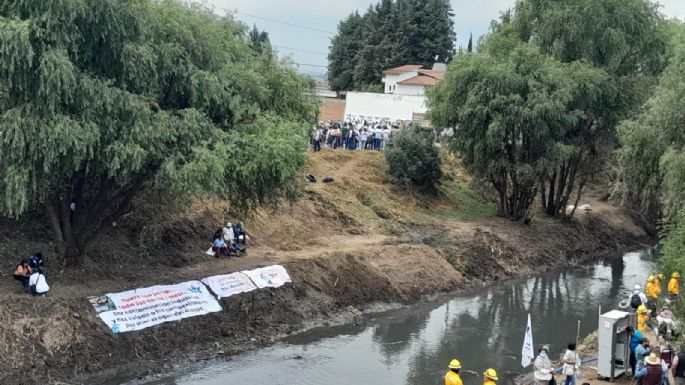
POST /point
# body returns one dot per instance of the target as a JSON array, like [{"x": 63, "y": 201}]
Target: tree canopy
[
  {"x": 101, "y": 98},
  {"x": 535, "y": 109},
  {"x": 389, "y": 34},
  {"x": 414, "y": 160}
]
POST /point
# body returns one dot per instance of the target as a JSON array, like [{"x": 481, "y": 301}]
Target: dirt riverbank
[{"x": 347, "y": 245}]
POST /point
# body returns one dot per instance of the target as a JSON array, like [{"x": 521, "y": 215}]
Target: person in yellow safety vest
[
  {"x": 650, "y": 289},
  {"x": 673, "y": 284},
  {"x": 452, "y": 377},
  {"x": 642, "y": 317},
  {"x": 659, "y": 281},
  {"x": 489, "y": 377}
]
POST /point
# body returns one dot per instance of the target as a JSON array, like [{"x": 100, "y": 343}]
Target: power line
[
  {"x": 301, "y": 50},
  {"x": 278, "y": 21}
]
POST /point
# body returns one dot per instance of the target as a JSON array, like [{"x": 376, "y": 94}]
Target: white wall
[
  {"x": 378, "y": 107},
  {"x": 410, "y": 89}
]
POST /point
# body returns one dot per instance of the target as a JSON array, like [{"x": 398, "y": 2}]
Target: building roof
[
  {"x": 421, "y": 80},
  {"x": 433, "y": 73},
  {"x": 402, "y": 69}
]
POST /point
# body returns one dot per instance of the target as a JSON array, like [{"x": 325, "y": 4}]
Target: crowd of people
[
  {"x": 31, "y": 274},
  {"x": 649, "y": 365},
  {"x": 352, "y": 136},
  {"x": 230, "y": 240}
]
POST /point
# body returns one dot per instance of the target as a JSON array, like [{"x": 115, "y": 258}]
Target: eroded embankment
[{"x": 48, "y": 340}]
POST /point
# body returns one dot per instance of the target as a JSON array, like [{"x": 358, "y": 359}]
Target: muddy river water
[{"x": 483, "y": 327}]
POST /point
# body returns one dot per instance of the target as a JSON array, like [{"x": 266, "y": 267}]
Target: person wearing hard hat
[
  {"x": 642, "y": 317},
  {"x": 659, "y": 281},
  {"x": 650, "y": 289},
  {"x": 452, "y": 377},
  {"x": 490, "y": 377},
  {"x": 636, "y": 299},
  {"x": 673, "y": 284}
]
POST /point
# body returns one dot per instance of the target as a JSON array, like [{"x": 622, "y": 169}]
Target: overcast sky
[{"x": 470, "y": 17}]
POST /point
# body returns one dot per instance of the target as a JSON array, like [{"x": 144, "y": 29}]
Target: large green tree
[
  {"x": 102, "y": 98},
  {"x": 651, "y": 161},
  {"x": 389, "y": 34},
  {"x": 516, "y": 115},
  {"x": 629, "y": 49}
]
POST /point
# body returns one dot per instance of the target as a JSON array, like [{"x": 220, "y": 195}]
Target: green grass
[{"x": 463, "y": 203}]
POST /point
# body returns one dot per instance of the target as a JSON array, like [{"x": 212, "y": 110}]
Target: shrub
[{"x": 414, "y": 161}]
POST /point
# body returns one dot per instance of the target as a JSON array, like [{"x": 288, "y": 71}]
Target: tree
[
  {"x": 259, "y": 40},
  {"x": 103, "y": 98},
  {"x": 629, "y": 48},
  {"x": 414, "y": 161},
  {"x": 342, "y": 54},
  {"x": 469, "y": 48},
  {"x": 650, "y": 158},
  {"x": 389, "y": 34},
  {"x": 516, "y": 114}
]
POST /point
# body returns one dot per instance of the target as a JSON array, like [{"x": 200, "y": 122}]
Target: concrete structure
[
  {"x": 332, "y": 109},
  {"x": 412, "y": 79},
  {"x": 383, "y": 107}
]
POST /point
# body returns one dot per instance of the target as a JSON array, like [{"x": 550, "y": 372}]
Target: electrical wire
[
  {"x": 235, "y": 11},
  {"x": 300, "y": 50}
]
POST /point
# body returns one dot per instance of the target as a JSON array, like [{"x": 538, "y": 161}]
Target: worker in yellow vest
[
  {"x": 489, "y": 377},
  {"x": 673, "y": 284},
  {"x": 642, "y": 318},
  {"x": 659, "y": 281},
  {"x": 452, "y": 377},
  {"x": 650, "y": 289}
]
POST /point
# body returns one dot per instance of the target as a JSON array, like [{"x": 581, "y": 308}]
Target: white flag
[{"x": 527, "y": 353}]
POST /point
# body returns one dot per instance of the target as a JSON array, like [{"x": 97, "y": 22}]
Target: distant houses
[
  {"x": 404, "y": 97},
  {"x": 412, "y": 79}
]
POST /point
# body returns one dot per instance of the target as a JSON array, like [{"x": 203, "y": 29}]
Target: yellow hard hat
[
  {"x": 650, "y": 279},
  {"x": 455, "y": 364},
  {"x": 642, "y": 309},
  {"x": 491, "y": 374},
  {"x": 661, "y": 276},
  {"x": 675, "y": 275}
]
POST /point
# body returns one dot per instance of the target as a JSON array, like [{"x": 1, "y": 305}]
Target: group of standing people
[
  {"x": 454, "y": 378},
  {"x": 651, "y": 365},
  {"x": 31, "y": 274},
  {"x": 350, "y": 136}
]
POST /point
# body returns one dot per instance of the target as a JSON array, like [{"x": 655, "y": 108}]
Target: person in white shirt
[
  {"x": 543, "y": 367},
  {"x": 571, "y": 364},
  {"x": 640, "y": 294},
  {"x": 377, "y": 138},
  {"x": 363, "y": 136},
  {"x": 38, "y": 286},
  {"x": 386, "y": 136}
]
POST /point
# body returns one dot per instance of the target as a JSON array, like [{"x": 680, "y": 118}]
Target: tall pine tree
[{"x": 390, "y": 34}]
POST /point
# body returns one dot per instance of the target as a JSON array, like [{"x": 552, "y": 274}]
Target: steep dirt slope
[{"x": 346, "y": 244}]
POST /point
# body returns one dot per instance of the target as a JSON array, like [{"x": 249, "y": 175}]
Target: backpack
[{"x": 635, "y": 301}]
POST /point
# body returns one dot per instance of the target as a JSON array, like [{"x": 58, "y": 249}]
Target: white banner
[
  {"x": 527, "y": 352},
  {"x": 272, "y": 276},
  {"x": 230, "y": 284},
  {"x": 141, "y": 308}
]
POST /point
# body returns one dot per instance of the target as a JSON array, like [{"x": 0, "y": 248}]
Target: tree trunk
[{"x": 76, "y": 230}]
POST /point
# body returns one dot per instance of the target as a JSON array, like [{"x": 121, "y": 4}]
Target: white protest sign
[
  {"x": 230, "y": 284},
  {"x": 272, "y": 276},
  {"x": 141, "y": 308}
]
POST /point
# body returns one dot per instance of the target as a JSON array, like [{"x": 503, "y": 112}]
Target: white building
[
  {"x": 412, "y": 79},
  {"x": 374, "y": 107}
]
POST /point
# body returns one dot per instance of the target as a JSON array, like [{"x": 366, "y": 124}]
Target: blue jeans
[
  {"x": 570, "y": 380},
  {"x": 317, "y": 145}
]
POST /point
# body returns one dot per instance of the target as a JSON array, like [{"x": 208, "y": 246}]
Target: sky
[{"x": 309, "y": 47}]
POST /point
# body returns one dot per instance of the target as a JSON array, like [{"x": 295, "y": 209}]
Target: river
[{"x": 483, "y": 327}]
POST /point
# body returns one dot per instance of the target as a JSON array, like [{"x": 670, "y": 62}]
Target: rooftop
[
  {"x": 402, "y": 69},
  {"x": 421, "y": 80}
]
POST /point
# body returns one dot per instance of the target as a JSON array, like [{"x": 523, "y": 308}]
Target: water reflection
[{"x": 483, "y": 329}]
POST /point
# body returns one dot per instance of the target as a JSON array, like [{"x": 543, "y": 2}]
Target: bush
[{"x": 413, "y": 161}]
